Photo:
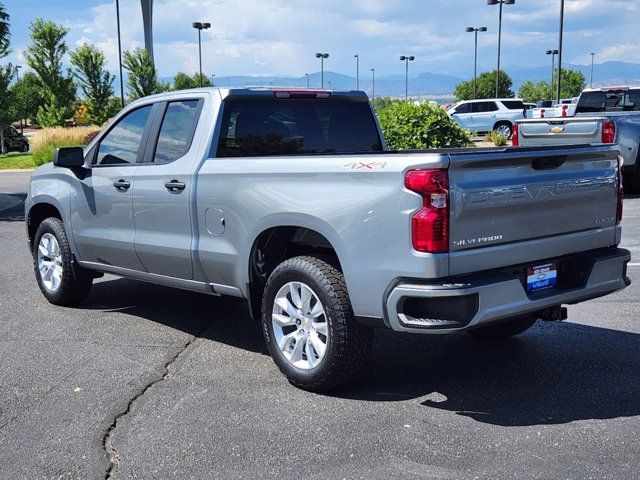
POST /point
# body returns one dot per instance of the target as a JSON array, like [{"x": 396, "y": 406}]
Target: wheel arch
[
  {"x": 39, "y": 212},
  {"x": 277, "y": 243}
]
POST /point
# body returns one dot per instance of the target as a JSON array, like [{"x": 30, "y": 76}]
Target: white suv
[{"x": 488, "y": 114}]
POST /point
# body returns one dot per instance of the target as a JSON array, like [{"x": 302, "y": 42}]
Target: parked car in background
[
  {"x": 528, "y": 109},
  {"x": 288, "y": 199},
  {"x": 603, "y": 115},
  {"x": 13, "y": 140},
  {"x": 489, "y": 114},
  {"x": 551, "y": 108}
]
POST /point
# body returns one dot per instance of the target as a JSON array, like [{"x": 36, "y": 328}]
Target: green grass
[{"x": 16, "y": 161}]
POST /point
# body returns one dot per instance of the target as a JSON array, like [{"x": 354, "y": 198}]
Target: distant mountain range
[{"x": 433, "y": 84}]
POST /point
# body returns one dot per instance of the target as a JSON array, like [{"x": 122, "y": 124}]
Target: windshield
[
  {"x": 613, "y": 101},
  {"x": 259, "y": 127}
]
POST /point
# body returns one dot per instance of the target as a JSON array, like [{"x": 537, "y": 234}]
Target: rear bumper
[{"x": 496, "y": 296}]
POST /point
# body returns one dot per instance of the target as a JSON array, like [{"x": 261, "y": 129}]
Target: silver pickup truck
[
  {"x": 288, "y": 199},
  {"x": 604, "y": 115}
]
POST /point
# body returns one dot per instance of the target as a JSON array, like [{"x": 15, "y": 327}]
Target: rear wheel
[
  {"x": 504, "y": 128},
  {"x": 632, "y": 181},
  {"x": 25, "y": 147},
  {"x": 501, "y": 331},
  {"x": 309, "y": 326},
  {"x": 61, "y": 282}
]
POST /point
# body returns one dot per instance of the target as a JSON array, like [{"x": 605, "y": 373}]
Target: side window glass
[
  {"x": 464, "y": 108},
  {"x": 176, "y": 134},
  {"x": 122, "y": 143}
]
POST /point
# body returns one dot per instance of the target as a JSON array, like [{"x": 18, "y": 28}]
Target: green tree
[
  {"x": 486, "y": 86},
  {"x": 89, "y": 68},
  {"x": 182, "y": 81},
  {"x": 573, "y": 82},
  {"x": 26, "y": 97},
  {"x": 142, "y": 76},
  {"x": 6, "y": 75},
  {"x": 5, "y": 33},
  {"x": 45, "y": 57},
  {"x": 407, "y": 125},
  {"x": 533, "y": 92}
]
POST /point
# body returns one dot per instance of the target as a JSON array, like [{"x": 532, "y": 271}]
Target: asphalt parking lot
[{"x": 145, "y": 381}]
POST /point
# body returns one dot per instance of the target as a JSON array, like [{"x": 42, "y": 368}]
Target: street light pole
[
  {"x": 18, "y": 67},
  {"x": 322, "y": 56},
  {"x": 357, "y": 57},
  {"x": 560, "y": 49},
  {"x": 406, "y": 59},
  {"x": 501, "y": 3},
  {"x": 373, "y": 85},
  {"x": 593, "y": 54},
  {"x": 212, "y": 82},
  {"x": 553, "y": 54},
  {"x": 200, "y": 26},
  {"x": 475, "y": 58},
  {"x": 120, "y": 53},
  {"x": 307, "y": 75}
]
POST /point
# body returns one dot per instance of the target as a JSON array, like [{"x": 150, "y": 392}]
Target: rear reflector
[
  {"x": 430, "y": 225},
  {"x": 608, "y": 131},
  {"x": 302, "y": 94},
  {"x": 514, "y": 136}
]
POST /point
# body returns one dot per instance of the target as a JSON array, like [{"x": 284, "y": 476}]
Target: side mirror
[{"x": 68, "y": 157}]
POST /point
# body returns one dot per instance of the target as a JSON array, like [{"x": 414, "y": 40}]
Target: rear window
[
  {"x": 259, "y": 127},
  {"x": 614, "y": 101},
  {"x": 513, "y": 104}
]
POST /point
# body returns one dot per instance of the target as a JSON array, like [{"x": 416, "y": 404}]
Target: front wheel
[
  {"x": 309, "y": 326},
  {"x": 60, "y": 281},
  {"x": 504, "y": 330},
  {"x": 505, "y": 129}
]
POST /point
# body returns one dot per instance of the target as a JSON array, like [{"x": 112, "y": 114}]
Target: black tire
[
  {"x": 504, "y": 330},
  {"x": 25, "y": 147},
  {"x": 632, "y": 181},
  {"x": 75, "y": 282},
  {"x": 349, "y": 342},
  {"x": 504, "y": 124}
]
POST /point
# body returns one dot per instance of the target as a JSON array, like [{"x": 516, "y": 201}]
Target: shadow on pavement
[
  {"x": 555, "y": 373},
  {"x": 12, "y": 207}
]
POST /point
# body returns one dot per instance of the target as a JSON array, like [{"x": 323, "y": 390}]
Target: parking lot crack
[{"x": 108, "y": 438}]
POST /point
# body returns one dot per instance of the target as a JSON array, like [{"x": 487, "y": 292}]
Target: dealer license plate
[{"x": 541, "y": 277}]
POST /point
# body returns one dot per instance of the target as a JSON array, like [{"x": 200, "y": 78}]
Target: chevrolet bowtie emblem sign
[{"x": 557, "y": 130}]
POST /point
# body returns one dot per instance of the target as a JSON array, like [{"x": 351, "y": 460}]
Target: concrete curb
[{"x": 17, "y": 170}]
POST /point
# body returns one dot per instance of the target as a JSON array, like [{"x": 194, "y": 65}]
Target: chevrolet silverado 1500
[
  {"x": 604, "y": 115},
  {"x": 287, "y": 198}
]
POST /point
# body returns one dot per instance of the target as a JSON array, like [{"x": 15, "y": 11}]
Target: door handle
[
  {"x": 174, "y": 186},
  {"x": 121, "y": 185}
]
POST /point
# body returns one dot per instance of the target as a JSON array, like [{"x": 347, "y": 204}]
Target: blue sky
[{"x": 267, "y": 37}]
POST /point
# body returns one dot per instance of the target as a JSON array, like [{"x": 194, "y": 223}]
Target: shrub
[
  {"x": 497, "y": 139},
  {"x": 45, "y": 141},
  {"x": 407, "y": 125}
]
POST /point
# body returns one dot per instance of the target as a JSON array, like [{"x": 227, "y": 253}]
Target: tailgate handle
[{"x": 548, "y": 163}]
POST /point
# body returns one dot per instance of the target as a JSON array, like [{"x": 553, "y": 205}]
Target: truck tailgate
[
  {"x": 524, "y": 204},
  {"x": 560, "y": 131}
]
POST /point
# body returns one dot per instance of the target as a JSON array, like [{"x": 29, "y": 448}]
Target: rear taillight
[
  {"x": 542, "y": 113},
  {"x": 620, "y": 191},
  {"x": 514, "y": 135},
  {"x": 564, "y": 110},
  {"x": 608, "y": 132},
  {"x": 430, "y": 225}
]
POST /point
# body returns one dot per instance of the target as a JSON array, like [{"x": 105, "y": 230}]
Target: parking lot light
[
  {"x": 373, "y": 85},
  {"x": 501, "y": 3},
  {"x": 593, "y": 54},
  {"x": 475, "y": 30},
  {"x": 553, "y": 54},
  {"x": 200, "y": 26},
  {"x": 322, "y": 56},
  {"x": 406, "y": 59}
]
